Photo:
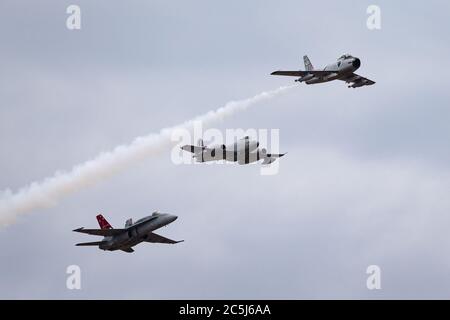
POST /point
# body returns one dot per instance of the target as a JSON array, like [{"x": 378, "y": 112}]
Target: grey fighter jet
[
  {"x": 133, "y": 233},
  {"x": 343, "y": 69},
  {"x": 244, "y": 151}
]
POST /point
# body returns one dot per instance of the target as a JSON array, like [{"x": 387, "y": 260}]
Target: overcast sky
[{"x": 366, "y": 179}]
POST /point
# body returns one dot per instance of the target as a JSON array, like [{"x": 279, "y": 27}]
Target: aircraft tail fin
[
  {"x": 308, "y": 64},
  {"x": 102, "y": 222}
]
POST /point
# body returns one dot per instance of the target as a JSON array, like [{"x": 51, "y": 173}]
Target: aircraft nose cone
[
  {"x": 174, "y": 218},
  {"x": 356, "y": 63}
]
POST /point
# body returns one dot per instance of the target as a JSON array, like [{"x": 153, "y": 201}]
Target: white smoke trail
[{"x": 47, "y": 192}]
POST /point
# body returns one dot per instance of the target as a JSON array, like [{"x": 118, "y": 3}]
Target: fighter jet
[
  {"x": 244, "y": 151},
  {"x": 133, "y": 233},
  {"x": 343, "y": 69}
]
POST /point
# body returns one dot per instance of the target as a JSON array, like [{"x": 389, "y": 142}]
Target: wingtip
[
  {"x": 78, "y": 229},
  {"x": 79, "y": 244}
]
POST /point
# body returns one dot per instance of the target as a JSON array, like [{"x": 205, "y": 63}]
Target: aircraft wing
[
  {"x": 357, "y": 80},
  {"x": 101, "y": 232},
  {"x": 96, "y": 243},
  {"x": 299, "y": 73},
  {"x": 156, "y": 238}
]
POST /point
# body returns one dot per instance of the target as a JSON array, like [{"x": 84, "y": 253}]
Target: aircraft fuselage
[
  {"x": 137, "y": 232},
  {"x": 340, "y": 69}
]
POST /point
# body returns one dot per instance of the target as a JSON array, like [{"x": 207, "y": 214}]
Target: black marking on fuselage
[{"x": 247, "y": 152}]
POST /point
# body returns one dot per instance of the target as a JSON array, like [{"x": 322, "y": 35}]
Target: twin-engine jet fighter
[
  {"x": 244, "y": 151},
  {"x": 343, "y": 69},
  {"x": 133, "y": 233}
]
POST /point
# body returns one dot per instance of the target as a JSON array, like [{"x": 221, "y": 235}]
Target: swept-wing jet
[
  {"x": 343, "y": 69},
  {"x": 243, "y": 151},
  {"x": 133, "y": 233}
]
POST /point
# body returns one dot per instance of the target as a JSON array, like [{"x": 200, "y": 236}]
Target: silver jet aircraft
[
  {"x": 133, "y": 233},
  {"x": 244, "y": 151},
  {"x": 343, "y": 69}
]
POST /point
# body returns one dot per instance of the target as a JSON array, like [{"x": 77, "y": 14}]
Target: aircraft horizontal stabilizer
[
  {"x": 101, "y": 232},
  {"x": 271, "y": 158},
  {"x": 193, "y": 149}
]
